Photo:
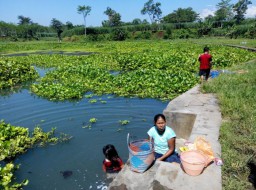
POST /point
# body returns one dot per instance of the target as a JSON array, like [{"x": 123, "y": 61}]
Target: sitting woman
[
  {"x": 112, "y": 162},
  {"x": 164, "y": 140}
]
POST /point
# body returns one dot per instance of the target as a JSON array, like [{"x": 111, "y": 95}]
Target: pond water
[{"x": 83, "y": 153}]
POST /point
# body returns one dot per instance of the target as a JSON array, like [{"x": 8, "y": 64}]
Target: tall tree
[
  {"x": 145, "y": 21},
  {"x": 24, "y": 20},
  {"x": 85, "y": 10},
  {"x": 224, "y": 11},
  {"x": 181, "y": 15},
  {"x": 209, "y": 19},
  {"x": 109, "y": 12},
  {"x": 25, "y": 24},
  {"x": 114, "y": 18},
  {"x": 136, "y": 21},
  {"x": 57, "y": 25},
  {"x": 153, "y": 10},
  {"x": 240, "y": 9},
  {"x": 69, "y": 25}
]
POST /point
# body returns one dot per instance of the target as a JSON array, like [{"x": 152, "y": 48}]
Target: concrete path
[
  {"x": 201, "y": 111},
  {"x": 243, "y": 47}
]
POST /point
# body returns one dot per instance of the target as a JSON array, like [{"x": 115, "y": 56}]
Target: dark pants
[
  {"x": 204, "y": 72},
  {"x": 174, "y": 157}
]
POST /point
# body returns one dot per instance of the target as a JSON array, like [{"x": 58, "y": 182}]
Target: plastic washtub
[{"x": 193, "y": 162}]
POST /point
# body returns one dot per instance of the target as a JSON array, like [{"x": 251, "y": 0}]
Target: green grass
[
  {"x": 226, "y": 41},
  {"x": 237, "y": 99}
]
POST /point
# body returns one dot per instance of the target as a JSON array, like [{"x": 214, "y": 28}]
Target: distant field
[
  {"x": 107, "y": 46},
  {"x": 223, "y": 41}
]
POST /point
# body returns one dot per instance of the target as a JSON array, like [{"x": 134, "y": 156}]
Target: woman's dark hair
[
  {"x": 157, "y": 116},
  {"x": 111, "y": 154}
]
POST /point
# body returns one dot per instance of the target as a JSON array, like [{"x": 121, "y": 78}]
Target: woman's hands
[{"x": 171, "y": 144}]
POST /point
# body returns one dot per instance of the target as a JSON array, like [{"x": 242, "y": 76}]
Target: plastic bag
[{"x": 204, "y": 146}]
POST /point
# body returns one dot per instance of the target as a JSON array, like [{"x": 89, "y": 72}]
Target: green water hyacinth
[
  {"x": 7, "y": 177},
  {"x": 162, "y": 71},
  {"x": 70, "y": 82},
  {"x": 14, "y": 72},
  {"x": 124, "y": 122},
  {"x": 93, "y": 101},
  {"x": 15, "y": 140},
  {"x": 93, "y": 120}
]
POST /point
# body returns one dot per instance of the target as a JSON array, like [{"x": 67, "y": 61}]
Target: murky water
[{"x": 83, "y": 153}]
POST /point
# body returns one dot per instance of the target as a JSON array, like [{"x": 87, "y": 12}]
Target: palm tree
[
  {"x": 57, "y": 25},
  {"x": 114, "y": 18},
  {"x": 24, "y": 20},
  {"x": 110, "y": 13},
  {"x": 85, "y": 10}
]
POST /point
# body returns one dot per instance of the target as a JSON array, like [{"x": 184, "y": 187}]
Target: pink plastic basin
[{"x": 193, "y": 162}]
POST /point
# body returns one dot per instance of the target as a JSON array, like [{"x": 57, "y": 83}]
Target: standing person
[
  {"x": 164, "y": 140},
  {"x": 112, "y": 162},
  {"x": 205, "y": 60}
]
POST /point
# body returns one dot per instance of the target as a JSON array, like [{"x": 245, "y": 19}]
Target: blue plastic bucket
[{"x": 141, "y": 154}]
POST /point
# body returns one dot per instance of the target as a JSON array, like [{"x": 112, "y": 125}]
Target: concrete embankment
[
  {"x": 243, "y": 47},
  {"x": 191, "y": 114}
]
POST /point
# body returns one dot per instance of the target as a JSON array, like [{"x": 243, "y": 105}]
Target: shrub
[
  {"x": 168, "y": 33},
  {"x": 119, "y": 34},
  {"x": 251, "y": 33},
  {"x": 185, "y": 33},
  {"x": 142, "y": 35},
  {"x": 74, "y": 31},
  {"x": 238, "y": 31}
]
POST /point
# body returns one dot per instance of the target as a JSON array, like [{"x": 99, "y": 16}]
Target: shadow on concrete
[{"x": 182, "y": 123}]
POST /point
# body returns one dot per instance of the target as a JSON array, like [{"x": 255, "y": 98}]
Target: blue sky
[{"x": 42, "y": 11}]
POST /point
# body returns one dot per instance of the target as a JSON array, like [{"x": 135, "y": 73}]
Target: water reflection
[
  {"x": 114, "y": 73},
  {"x": 42, "y": 71}
]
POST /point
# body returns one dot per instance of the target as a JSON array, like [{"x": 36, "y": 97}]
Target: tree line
[{"x": 227, "y": 15}]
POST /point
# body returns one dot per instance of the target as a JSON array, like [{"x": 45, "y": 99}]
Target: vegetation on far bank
[
  {"x": 237, "y": 99},
  {"x": 52, "y": 47},
  {"x": 228, "y": 21}
]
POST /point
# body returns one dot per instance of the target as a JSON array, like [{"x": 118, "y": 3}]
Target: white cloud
[
  {"x": 206, "y": 12},
  {"x": 251, "y": 11}
]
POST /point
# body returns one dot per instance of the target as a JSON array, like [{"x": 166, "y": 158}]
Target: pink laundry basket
[{"x": 193, "y": 162}]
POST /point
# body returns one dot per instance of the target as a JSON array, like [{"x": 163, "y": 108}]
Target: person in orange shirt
[
  {"x": 205, "y": 60},
  {"x": 112, "y": 162}
]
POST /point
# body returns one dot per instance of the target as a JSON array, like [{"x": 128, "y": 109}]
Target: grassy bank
[
  {"x": 237, "y": 95},
  {"x": 225, "y": 41}
]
